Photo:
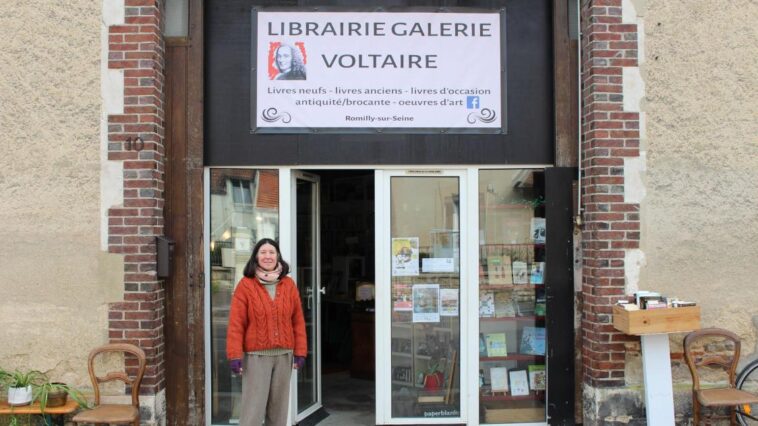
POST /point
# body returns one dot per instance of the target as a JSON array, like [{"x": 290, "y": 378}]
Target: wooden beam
[
  {"x": 565, "y": 88},
  {"x": 194, "y": 197},
  {"x": 183, "y": 212}
]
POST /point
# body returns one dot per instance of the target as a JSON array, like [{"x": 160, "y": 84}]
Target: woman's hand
[
  {"x": 299, "y": 362},
  {"x": 236, "y": 366}
]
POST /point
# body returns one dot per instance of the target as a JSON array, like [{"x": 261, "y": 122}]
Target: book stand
[{"x": 653, "y": 327}]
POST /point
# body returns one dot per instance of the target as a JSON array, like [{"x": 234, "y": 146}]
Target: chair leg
[{"x": 695, "y": 410}]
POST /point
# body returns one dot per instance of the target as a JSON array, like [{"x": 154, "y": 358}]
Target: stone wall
[
  {"x": 700, "y": 235},
  {"x": 82, "y": 185},
  {"x": 694, "y": 182},
  {"x": 55, "y": 280}
]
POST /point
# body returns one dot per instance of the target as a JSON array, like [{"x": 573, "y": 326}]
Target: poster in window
[
  {"x": 426, "y": 303},
  {"x": 401, "y": 297},
  {"x": 449, "y": 302},
  {"x": 405, "y": 259}
]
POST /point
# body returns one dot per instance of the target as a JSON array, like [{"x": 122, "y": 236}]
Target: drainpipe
[{"x": 578, "y": 218}]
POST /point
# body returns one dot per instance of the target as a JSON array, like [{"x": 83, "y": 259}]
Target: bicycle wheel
[{"x": 748, "y": 381}]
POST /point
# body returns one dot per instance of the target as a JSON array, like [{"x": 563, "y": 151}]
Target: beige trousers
[{"x": 265, "y": 389}]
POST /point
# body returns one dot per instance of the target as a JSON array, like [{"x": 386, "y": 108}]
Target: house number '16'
[{"x": 135, "y": 144}]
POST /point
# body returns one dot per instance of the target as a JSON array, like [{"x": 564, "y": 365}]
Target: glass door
[
  {"x": 421, "y": 263},
  {"x": 305, "y": 267}
]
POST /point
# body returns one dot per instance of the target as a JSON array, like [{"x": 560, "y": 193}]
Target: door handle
[
  {"x": 322, "y": 290},
  {"x": 308, "y": 297}
]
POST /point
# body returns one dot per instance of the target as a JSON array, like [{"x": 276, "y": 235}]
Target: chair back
[
  {"x": 133, "y": 381},
  {"x": 725, "y": 347}
]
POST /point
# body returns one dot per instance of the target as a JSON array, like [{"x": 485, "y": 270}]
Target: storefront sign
[{"x": 335, "y": 70}]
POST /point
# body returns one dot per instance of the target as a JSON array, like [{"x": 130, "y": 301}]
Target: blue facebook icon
[{"x": 472, "y": 102}]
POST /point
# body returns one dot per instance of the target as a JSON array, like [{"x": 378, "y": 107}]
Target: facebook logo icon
[{"x": 472, "y": 102}]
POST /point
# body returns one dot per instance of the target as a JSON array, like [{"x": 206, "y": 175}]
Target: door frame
[{"x": 288, "y": 178}]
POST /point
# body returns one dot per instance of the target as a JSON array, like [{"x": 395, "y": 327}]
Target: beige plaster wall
[
  {"x": 54, "y": 278},
  {"x": 700, "y": 215}
]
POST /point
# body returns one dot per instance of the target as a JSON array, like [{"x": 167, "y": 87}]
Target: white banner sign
[{"x": 378, "y": 70}]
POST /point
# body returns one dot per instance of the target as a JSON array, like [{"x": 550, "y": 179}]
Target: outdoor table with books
[
  {"x": 34, "y": 409},
  {"x": 653, "y": 326}
]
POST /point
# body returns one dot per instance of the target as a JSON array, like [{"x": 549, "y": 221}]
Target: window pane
[
  {"x": 425, "y": 335},
  {"x": 234, "y": 232},
  {"x": 512, "y": 340}
]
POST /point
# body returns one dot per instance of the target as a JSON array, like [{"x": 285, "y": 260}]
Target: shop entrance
[
  {"x": 334, "y": 256},
  {"x": 456, "y": 258}
]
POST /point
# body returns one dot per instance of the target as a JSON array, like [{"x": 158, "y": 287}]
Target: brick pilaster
[
  {"x": 136, "y": 138},
  {"x": 609, "y": 136}
]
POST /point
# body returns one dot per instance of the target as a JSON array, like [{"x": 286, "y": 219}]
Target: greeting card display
[
  {"x": 486, "y": 304},
  {"x": 537, "y": 273},
  {"x": 496, "y": 345},
  {"x": 499, "y": 270},
  {"x": 538, "y": 230},
  {"x": 537, "y": 377},
  {"x": 532, "y": 341},
  {"x": 520, "y": 273},
  {"x": 519, "y": 382}
]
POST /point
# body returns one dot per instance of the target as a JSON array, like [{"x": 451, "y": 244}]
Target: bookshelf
[{"x": 513, "y": 357}]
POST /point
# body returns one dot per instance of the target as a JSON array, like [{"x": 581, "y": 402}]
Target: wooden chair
[
  {"x": 114, "y": 413},
  {"x": 725, "y": 358}
]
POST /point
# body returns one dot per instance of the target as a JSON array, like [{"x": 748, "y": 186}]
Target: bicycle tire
[{"x": 748, "y": 379}]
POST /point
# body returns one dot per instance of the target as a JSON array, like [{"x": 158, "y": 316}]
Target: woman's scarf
[{"x": 268, "y": 276}]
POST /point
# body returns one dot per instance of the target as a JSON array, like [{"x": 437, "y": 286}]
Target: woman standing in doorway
[{"x": 266, "y": 329}]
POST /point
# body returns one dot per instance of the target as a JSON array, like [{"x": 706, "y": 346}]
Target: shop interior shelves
[
  {"x": 510, "y": 207},
  {"x": 538, "y": 395},
  {"x": 524, "y": 318},
  {"x": 499, "y": 245},
  {"x": 496, "y": 287},
  {"x": 512, "y": 357}
]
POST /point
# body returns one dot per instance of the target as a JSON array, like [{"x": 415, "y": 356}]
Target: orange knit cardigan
[{"x": 256, "y": 322}]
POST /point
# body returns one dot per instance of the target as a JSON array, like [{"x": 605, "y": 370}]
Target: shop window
[
  {"x": 239, "y": 216},
  {"x": 512, "y": 334}
]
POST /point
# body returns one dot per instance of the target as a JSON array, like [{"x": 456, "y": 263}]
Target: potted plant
[
  {"x": 20, "y": 384},
  {"x": 55, "y": 394},
  {"x": 434, "y": 378}
]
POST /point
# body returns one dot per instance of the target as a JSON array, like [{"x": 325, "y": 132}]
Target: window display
[{"x": 511, "y": 297}]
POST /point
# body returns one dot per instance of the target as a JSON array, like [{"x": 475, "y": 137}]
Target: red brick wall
[
  {"x": 609, "y": 135},
  {"x": 137, "y": 48}
]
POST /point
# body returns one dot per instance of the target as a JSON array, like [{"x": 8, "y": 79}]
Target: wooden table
[
  {"x": 34, "y": 409},
  {"x": 653, "y": 326}
]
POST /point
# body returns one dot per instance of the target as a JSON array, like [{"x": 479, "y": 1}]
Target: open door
[{"x": 306, "y": 394}]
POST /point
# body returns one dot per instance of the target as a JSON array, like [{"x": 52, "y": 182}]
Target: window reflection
[{"x": 244, "y": 207}]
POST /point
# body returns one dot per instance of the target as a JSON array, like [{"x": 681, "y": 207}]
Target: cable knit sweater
[{"x": 256, "y": 322}]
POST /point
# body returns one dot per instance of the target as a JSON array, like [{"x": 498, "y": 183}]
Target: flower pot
[
  {"x": 20, "y": 396},
  {"x": 57, "y": 398},
  {"x": 434, "y": 381}
]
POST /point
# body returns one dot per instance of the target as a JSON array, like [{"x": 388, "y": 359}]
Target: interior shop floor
[{"x": 348, "y": 401}]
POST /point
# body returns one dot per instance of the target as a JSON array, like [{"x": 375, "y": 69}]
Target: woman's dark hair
[{"x": 252, "y": 264}]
